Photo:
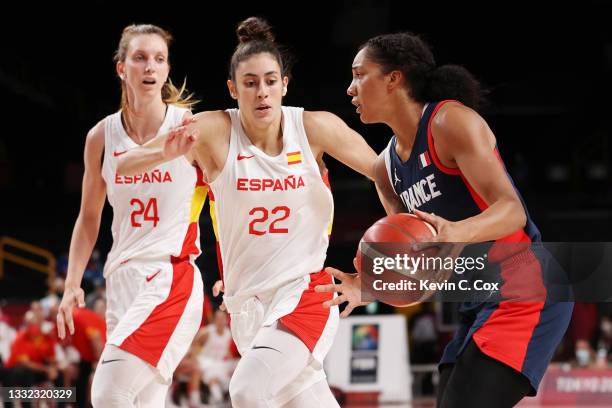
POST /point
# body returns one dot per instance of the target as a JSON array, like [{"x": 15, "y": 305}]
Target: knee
[
  {"x": 106, "y": 394},
  {"x": 238, "y": 393},
  {"x": 243, "y": 393}
]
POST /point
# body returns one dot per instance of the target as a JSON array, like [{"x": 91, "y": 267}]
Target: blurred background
[{"x": 547, "y": 67}]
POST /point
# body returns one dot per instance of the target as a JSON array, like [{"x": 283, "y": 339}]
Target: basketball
[{"x": 387, "y": 242}]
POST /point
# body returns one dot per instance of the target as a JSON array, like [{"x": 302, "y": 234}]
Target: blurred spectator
[
  {"x": 604, "y": 341},
  {"x": 88, "y": 339},
  {"x": 214, "y": 358},
  {"x": 99, "y": 292},
  {"x": 32, "y": 356},
  {"x": 37, "y": 310},
  {"x": 94, "y": 271},
  {"x": 99, "y": 307},
  {"x": 53, "y": 298},
  {"x": 188, "y": 374},
  {"x": 584, "y": 355},
  {"x": 7, "y": 335}
]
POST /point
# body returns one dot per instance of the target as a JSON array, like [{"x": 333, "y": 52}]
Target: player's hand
[
  {"x": 72, "y": 297},
  {"x": 216, "y": 290},
  {"x": 178, "y": 142},
  {"x": 449, "y": 238},
  {"x": 349, "y": 290},
  {"x": 189, "y": 119}
]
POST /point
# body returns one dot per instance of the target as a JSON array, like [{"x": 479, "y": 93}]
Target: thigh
[
  {"x": 121, "y": 376},
  {"x": 275, "y": 360},
  {"x": 318, "y": 395},
  {"x": 478, "y": 380},
  {"x": 153, "y": 395}
]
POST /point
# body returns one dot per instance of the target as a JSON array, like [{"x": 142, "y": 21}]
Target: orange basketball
[{"x": 395, "y": 283}]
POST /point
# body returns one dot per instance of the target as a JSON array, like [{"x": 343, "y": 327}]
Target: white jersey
[
  {"x": 217, "y": 345},
  {"x": 272, "y": 213},
  {"x": 155, "y": 214}
]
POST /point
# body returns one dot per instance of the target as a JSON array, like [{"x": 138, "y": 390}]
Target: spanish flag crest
[{"x": 294, "y": 157}]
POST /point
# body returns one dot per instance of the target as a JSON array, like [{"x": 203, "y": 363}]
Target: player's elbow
[{"x": 519, "y": 217}]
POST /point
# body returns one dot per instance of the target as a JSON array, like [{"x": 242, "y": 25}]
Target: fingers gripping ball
[{"x": 391, "y": 270}]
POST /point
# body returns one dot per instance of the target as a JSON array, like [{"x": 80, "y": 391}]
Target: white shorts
[
  {"x": 300, "y": 310},
  {"x": 154, "y": 310}
]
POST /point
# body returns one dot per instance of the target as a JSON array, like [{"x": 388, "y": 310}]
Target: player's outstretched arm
[
  {"x": 327, "y": 133},
  {"x": 168, "y": 146}
]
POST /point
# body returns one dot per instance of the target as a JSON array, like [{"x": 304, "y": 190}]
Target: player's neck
[
  {"x": 144, "y": 118},
  {"x": 266, "y": 137},
  {"x": 404, "y": 120}
]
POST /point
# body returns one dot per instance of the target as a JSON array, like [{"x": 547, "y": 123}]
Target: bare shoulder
[
  {"x": 321, "y": 126},
  {"x": 214, "y": 120},
  {"x": 321, "y": 119},
  {"x": 96, "y": 133},
  {"x": 454, "y": 115},
  {"x": 456, "y": 123},
  {"x": 94, "y": 143}
]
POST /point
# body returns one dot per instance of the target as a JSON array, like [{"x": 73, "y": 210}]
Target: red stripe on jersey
[
  {"x": 189, "y": 243},
  {"x": 152, "y": 336},
  {"x": 308, "y": 320},
  {"x": 200, "y": 177},
  {"x": 325, "y": 178},
  {"x": 432, "y": 147}
]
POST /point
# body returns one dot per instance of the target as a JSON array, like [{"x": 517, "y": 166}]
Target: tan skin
[
  {"x": 143, "y": 72},
  {"x": 462, "y": 139}
]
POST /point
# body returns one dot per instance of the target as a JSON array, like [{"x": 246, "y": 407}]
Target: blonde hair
[{"x": 170, "y": 94}]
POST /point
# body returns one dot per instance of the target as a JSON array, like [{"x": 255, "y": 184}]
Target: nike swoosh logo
[
  {"x": 119, "y": 153},
  {"x": 264, "y": 347},
  {"x": 152, "y": 276},
  {"x": 110, "y": 361},
  {"x": 240, "y": 157}
]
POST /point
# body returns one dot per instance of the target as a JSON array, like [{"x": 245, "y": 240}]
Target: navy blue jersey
[
  {"x": 423, "y": 183},
  {"x": 522, "y": 335}
]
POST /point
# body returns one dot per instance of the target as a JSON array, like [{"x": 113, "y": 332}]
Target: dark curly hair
[
  {"x": 425, "y": 81},
  {"x": 254, "y": 37}
]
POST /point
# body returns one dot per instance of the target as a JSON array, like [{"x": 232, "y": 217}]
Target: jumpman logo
[{"x": 396, "y": 179}]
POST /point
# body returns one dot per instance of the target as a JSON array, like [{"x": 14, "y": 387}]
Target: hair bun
[{"x": 254, "y": 29}]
